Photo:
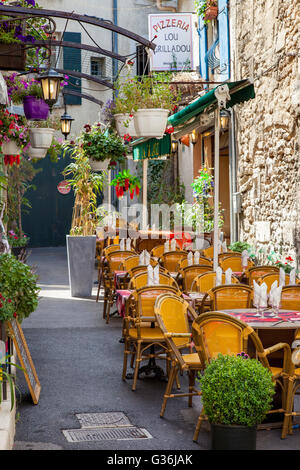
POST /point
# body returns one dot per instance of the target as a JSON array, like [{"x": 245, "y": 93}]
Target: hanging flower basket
[
  {"x": 11, "y": 148},
  {"x": 41, "y": 137},
  {"x": 151, "y": 122},
  {"x": 35, "y": 109},
  {"x": 12, "y": 57},
  {"x": 125, "y": 181},
  {"x": 36, "y": 153},
  {"x": 211, "y": 13},
  {"x": 98, "y": 165},
  {"x": 125, "y": 124}
]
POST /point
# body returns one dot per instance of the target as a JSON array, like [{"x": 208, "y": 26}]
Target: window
[{"x": 98, "y": 67}]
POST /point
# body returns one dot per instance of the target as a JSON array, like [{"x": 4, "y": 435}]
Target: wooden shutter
[
  {"x": 224, "y": 39},
  {"x": 72, "y": 61}
]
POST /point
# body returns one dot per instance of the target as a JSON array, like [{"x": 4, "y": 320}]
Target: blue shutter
[
  {"x": 202, "y": 31},
  {"x": 224, "y": 39},
  {"x": 72, "y": 61}
]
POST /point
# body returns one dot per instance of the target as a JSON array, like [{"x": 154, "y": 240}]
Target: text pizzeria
[{"x": 171, "y": 23}]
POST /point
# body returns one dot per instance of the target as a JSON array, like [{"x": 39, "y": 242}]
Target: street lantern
[
  {"x": 194, "y": 137},
  {"x": 66, "y": 123},
  {"x": 174, "y": 145},
  {"x": 224, "y": 120},
  {"x": 50, "y": 83}
]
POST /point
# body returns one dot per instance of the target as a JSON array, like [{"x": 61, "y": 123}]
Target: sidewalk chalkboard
[{"x": 24, "y": 356}]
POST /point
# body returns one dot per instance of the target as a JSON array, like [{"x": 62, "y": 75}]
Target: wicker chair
[
  {"x": 101, "y": 264},
  {"x": 183, "y": 263},
  {"x": 257, "y": 272},
  {"x": 209, "y": 252},
  {"x": 171, "y": 313},
  {"x": 293, "y": 386},
  {"x": 157, "y": 251},
  {"x": 218, "y": 333},
  {"x": 139, "y": 334},
  {"x": 206, "y": 281},
  {"x": 189, "y": 273},
  {"x": 234, "y": 261},
  {"x": 140, "y": 280},
  {"x": 130, "y": 262},
  {"x": 143, "y": 269},
  {"x": 229, "y": 296},
  {"x": 272, "y": 277},
  {"x": 171, "y": 259}
]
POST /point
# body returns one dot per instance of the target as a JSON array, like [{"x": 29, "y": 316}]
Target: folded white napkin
[
  {"x": 196, "y": 257},
  {"x": 142, "y": 258},
  {"x": 276, "y": 299},
  {"x": 228, "y": 274},
  {"x": 293, "y": 276},
  {"x": 224, "y": 247},
  {"x": 190, "y": 258},
  {"x": 173, "y": 244},
  {"x": 245, "y": 256},
  {"x": 263, "y": 301},
  {"x": 281, "y": 277},
  {"x": 218, "y": 276},
  {"x": 128, "y": 244},
  {"x": 147, "y": 258},
  {"x": 166, "y": 246},
  {"x": 156, "y": 275},
  {"x": 256, "y": 296},
  {"x": 271, "y": 294},
  {"x": 122, "y": 244},
  {"x": 219, "y": 247},
  {"x": 150, "y": 278}
]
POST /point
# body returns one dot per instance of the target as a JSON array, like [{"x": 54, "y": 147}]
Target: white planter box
[
  {"x": 151, "y": 122},
  {"x": 11, "y": 148},
  {"x": 37, "y": 153},
  {"x": 41, "y": 137},
  {"x": 98, "y": 166},
  {"x": 122, "y": 129}
]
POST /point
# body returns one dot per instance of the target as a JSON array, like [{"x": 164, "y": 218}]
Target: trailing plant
[
  {"x": 53, "y": 122},
  {"x": 100, "y": 145},
  {"x": 125, "y": 181},
  {"x": 239, "y": 247},
  {"x": 201, "y": 7},
  {"x": 13, "y": 128},
  {"x": 8, "y": 377},
  {"x": 18, "y": 88},
  {"x": 86, "y": 186},
  {"x": 236, "y": 391},
  {"x": 17, "y": 240},
  {"x": 18, "y": 282}
]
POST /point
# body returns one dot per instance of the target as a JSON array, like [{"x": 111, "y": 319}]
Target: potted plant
[
  {"x": 81, "y": 243},
  {"x": 18, "y": 283},
  {"x": 17, "y": 242},
  {"x": 208, "y": 9},
  {"x": 14, "y": 136},
  {"x": 277, "y": 261},
  {"x": 122, "y": 106},
  {"x": 102, "y": 147},
  {"x": 15, "y": 35},
  {"x": 237, "y": 393},
  {"x": 125, "y": 181},
  {"x": 41, "y": 132}
]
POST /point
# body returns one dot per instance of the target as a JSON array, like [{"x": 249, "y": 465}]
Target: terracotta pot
[{"x": 211, "y": 13}]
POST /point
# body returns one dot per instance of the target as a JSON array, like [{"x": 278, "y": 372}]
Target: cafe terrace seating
[
  {"x": 141, "y": 280},
  {"x": 256, "y": 272},
  {"x": 229, "y": 296},
  {"x": 141, "y": 332},
  {"x": 171, "y": 259},
  {"x": 171, "y": 313},
  {"x": 218, "y": 333},
  {"x": 189, "y": 273}
]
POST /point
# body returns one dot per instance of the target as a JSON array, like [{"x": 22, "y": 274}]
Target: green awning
[
  {"x": 152, "y": 148},
  {"x": 240, "y": 91}
]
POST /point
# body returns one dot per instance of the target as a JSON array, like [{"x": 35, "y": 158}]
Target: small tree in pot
[{"x": 237, "y": 394}]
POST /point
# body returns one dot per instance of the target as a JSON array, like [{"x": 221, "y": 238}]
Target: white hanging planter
[
  {"x": 125, "y": 124},
  {"x": 151, "y": 122},
  {"x": 98, "y": 165},
  {"x": 41, "y": 137},
  {"x": 11, "y": 148},
  {"x": 37, "y": 153}
]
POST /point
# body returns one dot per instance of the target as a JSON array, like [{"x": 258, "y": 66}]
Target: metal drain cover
[
  {"x": 106, "y": 434},
  {"x": 95, "y": 420}
]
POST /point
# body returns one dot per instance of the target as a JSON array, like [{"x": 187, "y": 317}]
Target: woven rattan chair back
[
  {"x": 290, "y": 297},
  {"x": 233, "y": 262},
  {"x": 157, "y": 251},
  {"x": 183, "y": 263},
  {"x": 115, "y": 259},
  {"x": 272, "y": 277},
  {"x": 257, "y": 272},
  {"x": 206, "y": 281},
  {"x": 190, "y": 273},
  {"x": 231, "y": 296},
  {"x": 141, "y": 280},
  {"x": 110, "y": 249},
  {"x": 171, "y": 259},
  {"x": 131, "y": 262}
]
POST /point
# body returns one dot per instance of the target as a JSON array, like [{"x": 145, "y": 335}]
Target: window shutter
[
  {"x": 203, "y": 49},
  {"x": 224, "y": 39},
  {"x": 72, "y": 61}
]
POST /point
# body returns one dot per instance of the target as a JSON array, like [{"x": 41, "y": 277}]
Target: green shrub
[
  {"x": 236, "y": 391},
  {"x": 18, "y": 283}
]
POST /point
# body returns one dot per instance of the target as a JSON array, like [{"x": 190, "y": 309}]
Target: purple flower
[{"x": 30, "y": 2}]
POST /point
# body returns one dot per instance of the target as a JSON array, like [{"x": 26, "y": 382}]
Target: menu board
[{"x": 24, "y": 356}]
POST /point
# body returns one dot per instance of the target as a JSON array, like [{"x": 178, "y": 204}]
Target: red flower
[
  {"x": 289, "y": 258},
  {"x": 1, "y": 123},
  {"x": 126, "y": 184},
  {"x": 1, "y": 305},
  {"x": 15, "y": 315},
  {"x": 9, "y": 301},
  {"x": 169, "y": 130},
  {"x": 137, "y": 190},
  {"x": 131, "y": 194}
]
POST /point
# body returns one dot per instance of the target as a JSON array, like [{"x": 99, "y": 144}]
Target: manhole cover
[
  {"x": 95, "y": 420},
  {"x": 106, "y": 434}
]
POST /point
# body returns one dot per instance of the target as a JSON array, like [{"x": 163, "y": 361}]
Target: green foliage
[
  {"x": 18, "y": 88},
  {"x": 239, "y": 246},
  {"x": 17, "y": 240},
  {"x": 18, "y": 283},
  {"x": 7, "y": 308},
  {"x": 277, "y": 261},
  {"x": 236, "y": 391},
  {"x": 202, "y": 5},
  {"x": 10, "y": 378},
  {"x": 100, "y": 145}
]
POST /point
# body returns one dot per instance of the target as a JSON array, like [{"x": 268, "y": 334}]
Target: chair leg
[
  {"x": 137, "y": 365},
  {"x": 132, "y": 359},
  {"x": 192, "y": 374},
  {"x": 178, "y": 381},
  {"x": 198, "y": 426},
  {"x": 126, "y": 352},
  {"x": 173, "y": 374},
  {"x": 104, "y": 306},
  {"x": 286, "y": 427}
]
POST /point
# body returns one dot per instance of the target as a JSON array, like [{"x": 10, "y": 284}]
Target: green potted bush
[
  {"x": 102, "y": 147},
  {"x": 237, "y": 393},
  {"x": 81, "y": 243}
]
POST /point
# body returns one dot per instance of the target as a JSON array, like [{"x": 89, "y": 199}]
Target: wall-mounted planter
[
  {"x": 211, "y": 13},
  {"x": 151, "y": 122},
  {"x": 41, "y": 137},
  {"x": 11, "y": 148},
  {"x": 125, "y": 125},
  {"x": 35, "y": 109},
  {"x": 81, "y": 261},
  {"x": 98, "y": 165},
  {"x": 12, "y": 57}
]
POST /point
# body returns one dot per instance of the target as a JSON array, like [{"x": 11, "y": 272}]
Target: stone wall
[{"x": 265, "y": 45}]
